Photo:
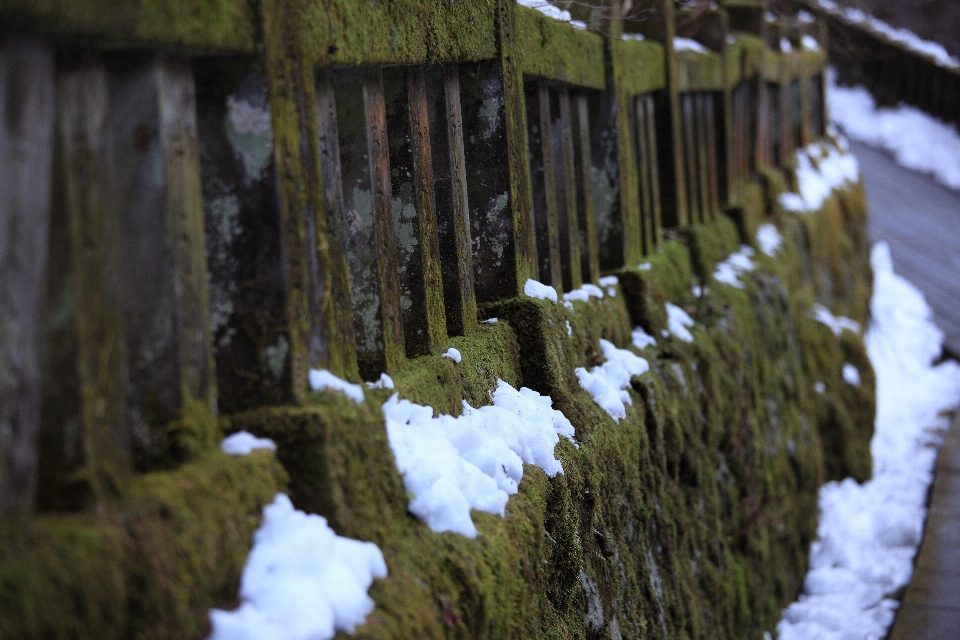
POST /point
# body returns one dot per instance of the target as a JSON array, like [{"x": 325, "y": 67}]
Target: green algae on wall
[{"x": 690, "y": 518}]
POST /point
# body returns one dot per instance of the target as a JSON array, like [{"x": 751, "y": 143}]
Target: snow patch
[
  {"x": 475, "y": 461},
  {"x": 730, "y": 270},
  {"x": 534, "y": 289},
  {"x": 821, "y": 168},
  {"x": 323, "y": 380},
  {"x": 609, "y": 281},
  {"x": 384, "y": 382},
  {"x": 851, "y": 375},
  {"x": 608, "y": 382},
  {"x": 453, "y": 354},
  {"x": 769, "y": 239},
  {"x": 836, "y": 323},
  {"x": 301, "y": 581},
  {"x": 641, "y": 339},
  {"x": 583, "y": 294},
  {"x": 242, "y": 443},
  {"x": 678, "y": 321},
  {"x": 868, "y": 533},
  {"x": 688, "y": 44}
]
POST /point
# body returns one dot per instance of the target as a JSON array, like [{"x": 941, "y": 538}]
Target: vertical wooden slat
[
  {"x": 548, "y": 233},
  {"x": 494, "y": 217},
  {"x": 689, "y": 154},
  {"x": 428, "y": 241},
  {"x": 673, "y": 176},
  {"x": 314, "y": 272},
  {"x": 165, "y": 298},
  {"x": 385, "y": 240},
  {"x": 714, "y": 154},
  {"x": 703, "y": 164},
  {"x": 653, "y": 168},
  {"x": 461, "y": 301},
  {"x": 248, "y": 297},
  {"x": 357, "y": 216},
  {"x": 26, "y": 146},
  {"x": 586, "y": 204},
  {"x": 329, "y": 148},
  {"x": 569, "y": 231},
  {"x": 85, "y": 453},
  {"x": 643, "y": 161},
  {"x": 514, "y": 121},
  {"x": 181, "y": 150}
]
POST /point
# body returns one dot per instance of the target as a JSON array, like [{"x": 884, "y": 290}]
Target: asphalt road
[{"x": 920, "y": 220}]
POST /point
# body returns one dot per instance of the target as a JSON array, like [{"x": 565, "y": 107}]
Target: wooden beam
[
  {"x": 566, "y": 170},
  {"x": 453, "y": 207},
  {"x": 384, "y": 236},
  {"x": 27, "y": 111},
  {"x": 165, "y": 299},
  {"x": 85, "y": 454},
  {"x": 429, "y": 242},
  {"x": 586, "y": 203}
]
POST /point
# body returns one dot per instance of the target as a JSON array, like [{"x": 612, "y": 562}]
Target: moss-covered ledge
[
  {"x": 690, "y": 518},
  {"x": 148, "y": 567}
]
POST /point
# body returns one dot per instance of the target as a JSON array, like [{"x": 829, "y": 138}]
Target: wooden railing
[
  {"x": 203, "y": 201},
  {"x": 892, "y": 72}
]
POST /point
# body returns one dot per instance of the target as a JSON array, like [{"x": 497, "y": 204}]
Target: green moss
[
  {"x": 551, "y": 49},
  {"x": 150, "y": 567}
]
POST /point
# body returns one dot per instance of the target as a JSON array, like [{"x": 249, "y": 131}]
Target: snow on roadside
[
  {"x": 821, "y": 168},
  {"x": 917, "y": 140},
  {"x": 608, "y": 382},
  {"x": 451, "y": 465},
  {"x": 869, "y": 533},
  {"x": 301, "y": 581}
]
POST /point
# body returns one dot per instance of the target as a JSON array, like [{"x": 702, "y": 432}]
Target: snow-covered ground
[
  {"x": 917, "y": 140},
  {"x": 869, "y": 533}
]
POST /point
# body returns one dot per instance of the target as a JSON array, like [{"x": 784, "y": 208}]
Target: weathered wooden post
[
  {"x": 544, "y": 185},
  {"x": 319, "y": 313},
  {"x": 450, "y": 194},
  {"x": 248, "y": 297},
  {"x": 85, "y": 440},
  {"x": 164, "y": 285},
  {"x": 26, "y": 150},
  {"x": 659, "y": 26}
]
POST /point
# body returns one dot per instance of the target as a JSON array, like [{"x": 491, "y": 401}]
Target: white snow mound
[
  {"x": 301, "y": 582},
  {"x": 608, "y": 382},
  {"x": 451, "y": 465}
]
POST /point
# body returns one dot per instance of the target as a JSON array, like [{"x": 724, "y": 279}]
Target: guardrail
[
  {"x": 202, "y": 202},
  {"x": 892, "y": 71}
]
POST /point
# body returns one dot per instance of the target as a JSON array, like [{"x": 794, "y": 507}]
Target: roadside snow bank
[
  {"x": 475, "y": 461},
  {"x": 302, "y": 581},
  {"x": 869, "y": 533},
  {"x": 608, "y": 382},
  {"x": 917, "y": 140},
  {"x": 821, "y": 168}
]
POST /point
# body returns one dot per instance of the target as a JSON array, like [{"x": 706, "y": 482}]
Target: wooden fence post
[
  {"x": 26, "y": 149},
  {"x": 164, "y": 284},
  {"x": 317, "y": 309}
]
